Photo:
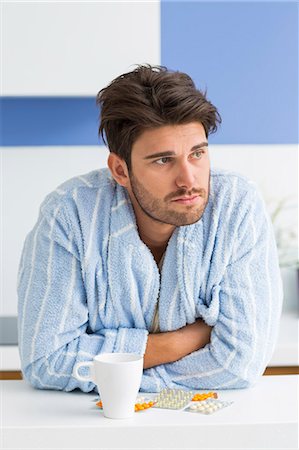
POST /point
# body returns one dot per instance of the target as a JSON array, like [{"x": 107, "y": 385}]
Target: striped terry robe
[{"x": 87, "y": 284}]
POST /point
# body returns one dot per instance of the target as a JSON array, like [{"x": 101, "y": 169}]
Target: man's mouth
[{"x": 187, "y": 200}]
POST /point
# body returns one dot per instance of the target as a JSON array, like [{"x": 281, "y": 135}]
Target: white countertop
[
  {"x": 263, "y": 417},
  {"x": 285, "y": 353}
]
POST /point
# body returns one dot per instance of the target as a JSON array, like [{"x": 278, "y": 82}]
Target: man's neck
[
  {"x": 156, "y": 243},
  {"x": 154, "y": 234}
]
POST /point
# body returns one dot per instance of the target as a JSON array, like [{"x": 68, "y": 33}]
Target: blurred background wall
[{"x": 57, "y": 56}]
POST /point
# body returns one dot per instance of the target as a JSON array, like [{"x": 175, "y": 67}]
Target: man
[{"x": 159, "y": 255}]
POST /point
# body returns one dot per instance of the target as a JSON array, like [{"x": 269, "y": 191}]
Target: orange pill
[
  {"x": 137, "y": 407},
  {"x": 199, "y": 397}
]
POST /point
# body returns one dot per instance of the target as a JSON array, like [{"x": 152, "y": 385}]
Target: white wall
[{"x": 75, "y": 48}]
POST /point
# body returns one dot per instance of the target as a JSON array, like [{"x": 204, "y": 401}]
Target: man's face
[{"x": 170, "y": 173}]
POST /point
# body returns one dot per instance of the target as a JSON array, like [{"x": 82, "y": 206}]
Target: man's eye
[
  {"x": 163, "y": 161},
  {"x": 197, "y": 155}
]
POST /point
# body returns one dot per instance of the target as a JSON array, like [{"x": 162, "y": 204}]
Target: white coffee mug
[{"x": 118, "y": 378}]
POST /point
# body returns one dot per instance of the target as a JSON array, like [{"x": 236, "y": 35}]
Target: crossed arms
[{"x": 163, "y": 348}]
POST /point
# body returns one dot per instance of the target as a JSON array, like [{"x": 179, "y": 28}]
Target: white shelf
[{"x": 285, "y": 353}]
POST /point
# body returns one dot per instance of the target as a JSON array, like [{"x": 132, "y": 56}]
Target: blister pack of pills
[
  {"x": 173, "y": 399},
  {"x": 142, "y": 403},
  {"x": 209, "y": 406},
  {"x": 198, "y": 397}
]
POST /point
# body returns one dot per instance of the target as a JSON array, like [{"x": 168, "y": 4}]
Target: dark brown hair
[{"x": 150, "y": 97}]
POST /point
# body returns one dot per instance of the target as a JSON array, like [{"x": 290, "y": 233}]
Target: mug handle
[{"x": 86, "y": 377}]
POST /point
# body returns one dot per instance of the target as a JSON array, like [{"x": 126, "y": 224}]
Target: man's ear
[{"x": 118, "y": 169}]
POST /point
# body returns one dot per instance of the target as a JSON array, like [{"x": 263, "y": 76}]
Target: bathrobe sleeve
[
  {"x": 53, "y": 311},
  {"x": 248, "y": 301}
]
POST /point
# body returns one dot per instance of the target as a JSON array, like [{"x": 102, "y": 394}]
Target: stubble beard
[{"x": 158, "y": 210}]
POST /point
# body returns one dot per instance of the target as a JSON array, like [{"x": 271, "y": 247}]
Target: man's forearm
[{"x": 163, "y": 348}]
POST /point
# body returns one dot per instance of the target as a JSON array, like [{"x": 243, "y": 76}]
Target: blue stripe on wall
[
  {"x": 42, "y": 121},
  {"x": 246, "y": 55}
]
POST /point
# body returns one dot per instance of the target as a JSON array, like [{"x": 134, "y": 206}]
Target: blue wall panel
[
  {"x": 246, "y": 55},
  {"x": 41, "y": 121}
]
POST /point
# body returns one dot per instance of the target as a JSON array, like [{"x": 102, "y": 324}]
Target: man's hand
[{"x": 168, "y": 347}]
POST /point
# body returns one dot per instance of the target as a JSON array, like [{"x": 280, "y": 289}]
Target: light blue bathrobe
[{"x": 88, "y": 284}]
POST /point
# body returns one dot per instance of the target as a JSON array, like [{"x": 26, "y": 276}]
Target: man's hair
[{"x": 150, "y": 97}]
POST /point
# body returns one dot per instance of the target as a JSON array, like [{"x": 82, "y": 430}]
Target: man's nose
[{"x": 185, "y": 177}]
